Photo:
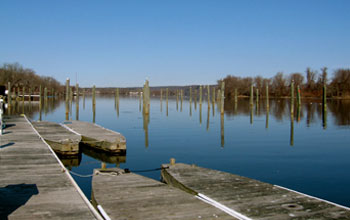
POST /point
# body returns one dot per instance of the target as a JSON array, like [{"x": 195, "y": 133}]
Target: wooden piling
[
  {"x": 146, "y": 98},
  {"x": 67, "y": 99},
  {"x": 267, "y": 97},
  {"x": 213, "y": 95},
  {"x": 77, "y": 102},
  {"x": 167, "y": 106},
  {"x": 195, "y": 99},
  {"x": 40, "y": 103},
  {"x": 222, "y": 97},
  {"x": 292, "y": 98},
  {"x": 140, "y": 100},
  {"x": 177, "y": 100},
  {"x": 94, "y": 104},
  {"x": 324, "y": 107},
  {"x": 181, "y": 95},
  {"x": 298, "y": 96},
  {"x": 236, "y": 95},
  {"x": 251, "y": 95},
  {"x": 30, "y": 96},
  {"x": 200, "y": 96},
  {"x": 208, "y": 96}
]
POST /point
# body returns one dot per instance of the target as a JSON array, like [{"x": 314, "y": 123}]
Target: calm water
[{"x": 309, "y": 154}]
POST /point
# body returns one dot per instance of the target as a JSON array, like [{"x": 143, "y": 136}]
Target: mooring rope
[
  {"x": 126, "y": 170},
  {"x": 81, "y": 175}
]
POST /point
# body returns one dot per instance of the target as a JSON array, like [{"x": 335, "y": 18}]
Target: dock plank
[
  {"x": 131, "y": 196},
  {"x": 251, "y": 198},
  {"x": 33, "y": 185},
  {"x": 99, "y": 137}
]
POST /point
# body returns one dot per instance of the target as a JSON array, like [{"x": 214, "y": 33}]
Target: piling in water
[
  {"x": 236, "y": 95},
  {"x": 213, "y": 95},
  {"x": 195, "y": 99},
  {"x": 146, "y": 98},
  {"x": 94, "y": 104},
  {"x": 324, "y": 107},
  {"x": 67, "y": 99},
  {"x": 222, "y": 100},
  {"x": 200, "y": 95},
  {"x": 40, "y": 103},
  {"x": 251, "y": 95},
  {"x": 181, "y": 95},
  {"x": 222, "y": 130},
  {"x": 177, "y": 100},
  {"x": 167, "y": 107},
  {"x": 267, "y": 97},
  {"x": 292, "y": 98}
]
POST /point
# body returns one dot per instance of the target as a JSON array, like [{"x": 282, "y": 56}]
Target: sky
[{"x": 173, "y": 42}]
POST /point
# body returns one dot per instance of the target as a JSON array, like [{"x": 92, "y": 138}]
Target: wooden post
[
  {"x": 267, "y": 117},
  {"x": 208, "y": 117},
  {"x": 208, "y": 91},
  {"x": 291, "y": 130},
  {"x": 146, "y": 98},
  {"x": 195, "y": 99},
  {"x": 167, "y": 107},
  {"x": 181, "y": 94},
  {"x": 298, "y": 96},
  {"x": 177, "y": 100},
  {"x": 200, "y": 96},
  {"x": 324, "y": 107},
  {"x": 83, "y": 98},
  {"x": 30, "y": 96},
  {"x": 94, "y": 104},
  {"x": 77, "y": 102},
  {"x": 40, "y": 103},
  {"x": 67, "y": 99},
  {"x": 9, "y": 94},
  {"x": 161, "y": 100},
  {"x": 292, "y": 98},
  {"x": 222, "y": 97},
  {"x": 172, "y": 161},
  {"x": 140, "y": 100},
  {"x": 70, "y": 100},
  {"x": 213, "y": 95},
  {"x": 267, "y": 97},
  {"x": 236, "y": 95},
  {"x": 45, "y": 94},
  {"x": 251, "y": 95}
]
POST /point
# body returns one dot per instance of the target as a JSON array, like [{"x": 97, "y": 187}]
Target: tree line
[
  {"x": 21, "y": 77},
  {"x": 279, "y": 85}
]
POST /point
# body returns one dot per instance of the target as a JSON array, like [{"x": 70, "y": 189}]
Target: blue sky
[{"x": 120, "y": 43}]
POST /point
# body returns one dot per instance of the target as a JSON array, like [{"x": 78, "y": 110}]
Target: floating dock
[
  {"x": 61, "y": 140},
  {"x": 98, "y": 137},
  {"x": 130, "y": 196},
  {"x": 250, "y": 198},
  {"x": 34, "y": 184}
]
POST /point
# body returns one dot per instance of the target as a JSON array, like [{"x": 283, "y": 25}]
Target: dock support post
[
  {"x": 208, "y": 91},
  {"x": 67, "y": 99},
  {"x": 222, "y": 97},
  {"x": 94, "y": 104},
  {"x": 267, "y": 97},
  {"x": 292, "y": 98},
  {"x": 324, "y": 106}
]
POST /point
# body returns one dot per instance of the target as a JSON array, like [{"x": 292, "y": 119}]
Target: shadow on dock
[{"x": 14, "y": 196}]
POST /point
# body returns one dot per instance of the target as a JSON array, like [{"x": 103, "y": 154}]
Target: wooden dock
[
  {"x": 250, "y": 198},
  {"x": 34, "y": 184},
  {"x": 61, "y": 140},
  {"x": 98, "y": 137},
  {"x": 131, "y": 196}
]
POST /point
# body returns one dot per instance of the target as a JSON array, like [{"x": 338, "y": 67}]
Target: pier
[
  {"x": 34, "y": 184},
  {"x": 248, "y": 198},
  {"x": 125, "y": 195}
]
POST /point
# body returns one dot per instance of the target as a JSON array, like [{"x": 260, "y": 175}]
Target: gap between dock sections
[{"x": 82, "y": 195}]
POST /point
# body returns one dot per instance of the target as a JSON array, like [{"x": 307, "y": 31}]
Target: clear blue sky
[{"x": 120, "y": 43}]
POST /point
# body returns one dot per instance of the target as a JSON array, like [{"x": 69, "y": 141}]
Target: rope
[
  {"x": 126, "y": 170},
  {"x": 80, "y": 175}
]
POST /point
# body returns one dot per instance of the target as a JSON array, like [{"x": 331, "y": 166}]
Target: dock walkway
[
  {"x": 33, "y": 183},
  {"x": 251, "y": 198},
  {"x": 131, "y": 196},
  {"x": 98, "y": 137}
]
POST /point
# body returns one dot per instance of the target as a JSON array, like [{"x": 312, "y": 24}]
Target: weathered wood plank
[
  {"x": 33, "y": 185},
  {"x": 98, "y": 137},
  {"x": 60, "y": 139},
  {"x": 252, "y": 198},
  {"x": 131, "y": 196}
]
